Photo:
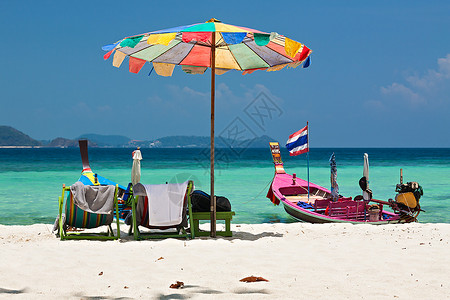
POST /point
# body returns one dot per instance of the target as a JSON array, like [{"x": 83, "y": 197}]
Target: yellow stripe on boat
[{"x": 91, "y": 177}]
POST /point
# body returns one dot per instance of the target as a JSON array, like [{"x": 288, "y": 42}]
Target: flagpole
[{"x": 307, "y": 156}]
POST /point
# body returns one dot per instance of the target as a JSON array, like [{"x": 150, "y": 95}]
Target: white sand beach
[{"x": 300, "y": 261}]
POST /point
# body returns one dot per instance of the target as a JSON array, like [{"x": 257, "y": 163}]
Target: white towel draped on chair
[{"x": 165, "y": 203}]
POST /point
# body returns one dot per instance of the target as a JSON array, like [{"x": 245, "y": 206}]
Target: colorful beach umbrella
[{"x": 213, "y": 44}]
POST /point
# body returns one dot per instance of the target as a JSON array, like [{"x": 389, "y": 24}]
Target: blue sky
[{"x": 379, "y": 77}]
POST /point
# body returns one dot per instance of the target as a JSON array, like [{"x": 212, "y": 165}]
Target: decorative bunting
[
  {"x": 262, "y": 39},
  {"x": 136, "y": 64},
  {"x": 196, "y": 36},
  {"x": 295, "y": 64},
  {"x": 291, "y": 47},
  {"x": 163, "y": 69},
  {"x": 307, "y": 62},
  {"x": 110, "y": 47},
  {"x": 107, "y": 55},
  {"x": 233, "y": 38},
  {"x": 161, "y": 39},
  {"x": 305, "y": 52},
  {"x": 221, "y": 71},
  {"x": 131, "y": 42},
  {"x": 273, "y": 35},
  {"x": 190, "y": 47},
  {"x": 276, "y": 68},
  {"x": 193, "y": 69},
  {"x": 250, "y": 71},
  {"x": 118, "y": 58}
]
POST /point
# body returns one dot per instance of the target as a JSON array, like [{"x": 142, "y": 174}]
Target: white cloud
[
  {"x": 444, "y": 66},
  {"x": 403, "y": 91},
  {"x": 181, "y": 94},
  {"x": 420, "y": 89},
  {"x": 193, "y": 93},
  {"x": 433, "y": 77}
]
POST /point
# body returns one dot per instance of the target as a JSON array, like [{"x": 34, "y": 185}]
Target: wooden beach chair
[
  {"x": 176, "y": 227},
  {"x": 75, "y": 218}
]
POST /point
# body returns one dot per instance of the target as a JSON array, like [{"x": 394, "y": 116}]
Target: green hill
[
  {"x": 106, "y": 140},
  {"x": 13, "y": 137}
]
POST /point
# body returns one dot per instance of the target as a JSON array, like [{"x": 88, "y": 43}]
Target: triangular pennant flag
[
  {"x": 294, "y": 64},
  {"x": 136, "y": 64},
  {"x": 196, "y": 36},
  {"x": 261, "y": 39},
  {"x": 118, "y": 58},
  {"x": 232, "y": 38},
  {"x": 193, "y": 69},
  {"x": 305, "y": 52},
  {"x": 276, "y": 68},
  {"x": 291, "y": 47},
  {"x": 107, "y": 55},
  {"x": 221, "y": 71},
  {"x": 273, "y": 35},
  {"x": 250, "y": 71},
  {"x": 307, "y": 62},
  {"x": 110, "y": 47},
  {"x": 161, "y": 39},
  {"x": 131, "y": 42},
  {"x": 163, "y": 69}
]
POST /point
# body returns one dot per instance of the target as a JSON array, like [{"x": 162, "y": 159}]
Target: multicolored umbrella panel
[{"x": 236, "y": 48}]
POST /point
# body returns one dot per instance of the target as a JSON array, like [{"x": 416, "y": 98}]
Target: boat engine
[{"x": 407, "y": 199}]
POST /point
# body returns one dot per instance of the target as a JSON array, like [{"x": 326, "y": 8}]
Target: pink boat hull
[{"x": 293, "y": 195}]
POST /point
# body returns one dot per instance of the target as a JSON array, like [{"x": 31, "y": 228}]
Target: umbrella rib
[
  {"x": 193, "y": 45},
  {"x": 272, "y": 51},
  {"x": 258, "y": 54}
]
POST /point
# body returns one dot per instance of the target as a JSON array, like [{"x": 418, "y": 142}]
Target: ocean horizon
[{"x": 31, "y": 178}]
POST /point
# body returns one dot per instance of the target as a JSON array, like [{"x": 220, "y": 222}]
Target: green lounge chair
[
  {"x": 140, "y": 217},
  {"x": 76, "y": 218}
]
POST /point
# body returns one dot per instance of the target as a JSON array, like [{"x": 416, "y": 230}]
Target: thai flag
[{"x": 298, "y": 142}]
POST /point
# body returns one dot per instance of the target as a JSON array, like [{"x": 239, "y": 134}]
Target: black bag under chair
[{"x": 201, "y": 202}]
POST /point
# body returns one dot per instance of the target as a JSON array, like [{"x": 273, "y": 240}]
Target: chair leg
[
  {"x": 130, "y": 229},
  {"x": 110, "y": 230}
]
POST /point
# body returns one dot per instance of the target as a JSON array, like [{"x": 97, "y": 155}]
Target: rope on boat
[{"x": 270, "y": 181}]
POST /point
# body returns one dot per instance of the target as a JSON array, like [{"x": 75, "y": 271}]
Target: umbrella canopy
[
  {"x": 236, "y": 47},
  {"x": 213, "y": 44},
  {"x": 136, "y": 169},
  {"x": 333, "y": 178}
]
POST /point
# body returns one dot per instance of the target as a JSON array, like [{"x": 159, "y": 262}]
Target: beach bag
[{"x": 201, "y": 202}]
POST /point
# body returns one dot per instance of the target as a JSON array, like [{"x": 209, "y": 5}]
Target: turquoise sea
[{"x": 31, "y": 179}]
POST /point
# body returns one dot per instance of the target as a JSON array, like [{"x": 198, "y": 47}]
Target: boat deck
[{"x": 304, "y": 198}]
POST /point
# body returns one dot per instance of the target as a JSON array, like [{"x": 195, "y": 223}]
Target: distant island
[{"x": 13, "y": 138}]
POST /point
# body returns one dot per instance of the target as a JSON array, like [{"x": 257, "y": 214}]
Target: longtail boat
[
  {"x": 88, "y": 177},
  {"x": 315, "y": 204}
]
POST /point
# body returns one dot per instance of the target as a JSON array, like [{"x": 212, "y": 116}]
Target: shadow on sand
[
  {"x": 13, "y": 292},
  {"x": 198, "y": 290},
  {"x": 237, "y": 235}
]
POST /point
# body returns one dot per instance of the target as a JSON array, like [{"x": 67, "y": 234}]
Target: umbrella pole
[{"x": 213, "y": 83}]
